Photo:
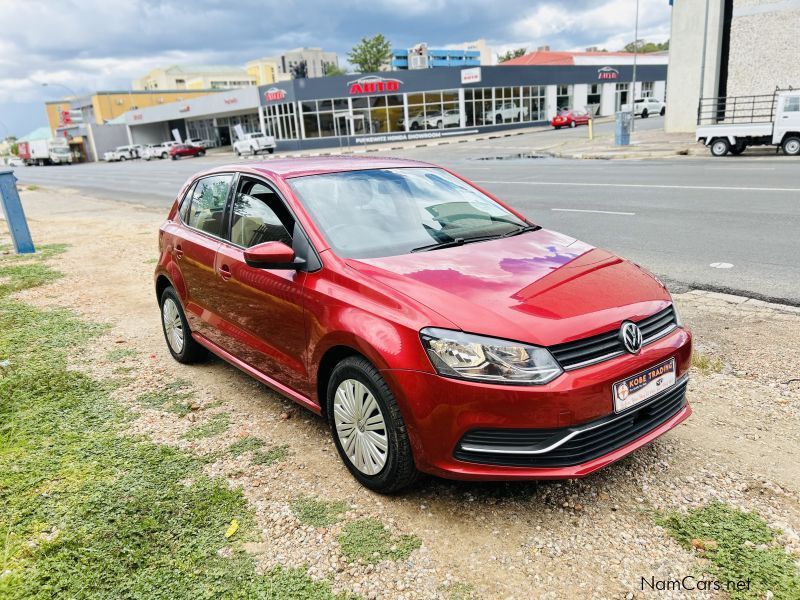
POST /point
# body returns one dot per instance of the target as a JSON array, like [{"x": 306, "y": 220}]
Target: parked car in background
[
  {"x": 202, "y": 143},
  {"x": 504, "y": 113},
  {"x": 14, "y": 161},
  {"x": 569, "y": 118},
  {"x": 183, "y": 150},
  {"x": 254, "y": 143},
  {"x": 123, "y": 153},
  {"x": 157, "y": 150},
  {"x": 435, "y": 328},
  {"x": 645, "y": 107},
  {"x": 45, "y": 152},
  {"x": 438, "y": 119},
  {"x": 415, "y": 121}
]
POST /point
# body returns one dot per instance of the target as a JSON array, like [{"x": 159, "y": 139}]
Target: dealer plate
[{"x": 636, "y": 389}]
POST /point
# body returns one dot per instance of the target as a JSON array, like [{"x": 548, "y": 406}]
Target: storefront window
[
  {"x": 621, "y": 95},
  {"x": 647, "y": 89},
  {"x": 280, "y": 121},
  {"x": 564, "y": 96},
  {"x": 533, "y": 103},
  {"x": 432, "y": 110}
]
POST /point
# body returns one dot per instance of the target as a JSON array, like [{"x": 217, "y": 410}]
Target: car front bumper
[{"x": 446, "y": 417}]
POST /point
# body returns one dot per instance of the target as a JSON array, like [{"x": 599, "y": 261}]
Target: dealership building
[{"x": 401, "y": 105}]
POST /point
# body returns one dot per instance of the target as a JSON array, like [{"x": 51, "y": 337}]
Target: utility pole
[
  {"x": 703, "y": 56},
  {"x": 632, "y": 97}
]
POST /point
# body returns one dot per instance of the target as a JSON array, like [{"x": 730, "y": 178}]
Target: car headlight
[{"x": 478, "y": 358}]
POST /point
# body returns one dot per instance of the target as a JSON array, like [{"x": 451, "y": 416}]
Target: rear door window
[{"x": 207, "y": 209}]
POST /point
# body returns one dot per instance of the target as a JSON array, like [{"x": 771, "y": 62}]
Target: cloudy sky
[{"x": 104, "y": 44}]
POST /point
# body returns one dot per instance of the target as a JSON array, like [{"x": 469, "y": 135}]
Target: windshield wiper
[
  {"x": 522, "y": 229},
  {"x": 436, "y": 246}
]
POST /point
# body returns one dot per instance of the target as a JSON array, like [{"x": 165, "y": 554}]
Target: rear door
[
  {"x": 202, "y": 216},
  {"x": 262, "y": 311}
]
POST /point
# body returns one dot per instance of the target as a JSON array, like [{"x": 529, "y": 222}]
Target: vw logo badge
[{"x": 631, "y": 337}]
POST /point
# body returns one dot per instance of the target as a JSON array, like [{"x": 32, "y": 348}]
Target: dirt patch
[{"x": 588, "y": 538}]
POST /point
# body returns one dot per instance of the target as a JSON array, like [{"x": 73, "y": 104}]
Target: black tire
[
  {"x": 201, "y": 153},
  {"x": 719, "y": 147},
  {"x": 174, "y": 157},
  {"x": 791, "y": 145},
  {"x": 414, "y": 126},
  {"x": 738, "y": 148},
  {"x": 164, "y": 155},
  {"x": 439, "y": 124},
  {"x": 498, "y": 119},
  {"x": 271, "y": 150},
  {"x": 191, "y": 352},
  {"x": 663, "y": 111},
  {"x": 572, "y": 124},
  {"x": 122, "y": 159},
  {"x": 645, "y": 114},
  {"x": 239, "y": 154},
  {"x": 399, "y": 471},
  {"x": 557, "y": 127}
]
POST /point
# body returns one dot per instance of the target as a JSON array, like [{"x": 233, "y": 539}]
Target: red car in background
[
  {"x": 182, "y": 150},
  {"x": 435, "y": 328},
  {"x": 570, "y": 118}
]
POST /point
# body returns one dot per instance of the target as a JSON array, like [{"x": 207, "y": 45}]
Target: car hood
[{"x": 540, "y": 287}]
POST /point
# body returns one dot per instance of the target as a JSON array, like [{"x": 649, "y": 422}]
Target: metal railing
[{"x": 737, "y": 109}]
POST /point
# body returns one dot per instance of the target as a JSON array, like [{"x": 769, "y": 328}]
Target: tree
[
  {"x": 643, "y": 47},
  {"x": 370, "y": 54},
  {"x": 331, "y": 70},
  {"x": 509, "y": 54}
]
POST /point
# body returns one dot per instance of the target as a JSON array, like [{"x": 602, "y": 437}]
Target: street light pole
[
  {"x": 70, "y": 90},
  {"x": 632, "y": 98}
]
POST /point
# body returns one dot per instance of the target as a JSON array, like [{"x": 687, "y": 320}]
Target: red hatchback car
[
  {"x": 182, "y": 150},
  {"x": 434, "y": 327},
  {"x": 569, "y": 118}
]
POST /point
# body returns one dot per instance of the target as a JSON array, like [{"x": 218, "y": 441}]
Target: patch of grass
[
  {"x": 87, "y": 512},
  {"x": 706, "y": 364},
  {"x": 215, "y": 425},
  {"x": 18, "y": 276},
  {"x": 268, "y": 457},
  {"x": 32, "y": 187},
  {"x": 245, "y": 444},
  {"x": 367, "y": 540},
  {"x": 460, "y": 591},
  {"x": 740, "y": 546},
  {"x": 170, "y": 398},
  {"x": 120, "y": 354},
  {"x": 319, "y": 513}
]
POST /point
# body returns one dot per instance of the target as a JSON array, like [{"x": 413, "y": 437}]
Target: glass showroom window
[
  {"x": 280, "y": 121},
  {"x": 386, "y": 113},
  {"x": 564, "y": 96},
  {"x": 533, "y": 103},
  {"x": 593, "y": 97},
  {"x": 477, "y": 104},
  {"x": 202, "y": 129},
  {"x": 621, "y": 95},
  {"x": 647, "y": 89},
  {"x": 507, "y": 105}
]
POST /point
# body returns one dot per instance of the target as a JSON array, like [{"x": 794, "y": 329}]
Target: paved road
[{"x": 676, "y": 217}]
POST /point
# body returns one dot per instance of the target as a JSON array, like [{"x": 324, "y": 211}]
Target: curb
[{"x": 744, "y": 300}]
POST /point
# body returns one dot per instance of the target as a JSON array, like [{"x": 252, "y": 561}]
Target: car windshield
[
  {"x": 387, "y": 212},
  {"x": 638, "y": 101}
]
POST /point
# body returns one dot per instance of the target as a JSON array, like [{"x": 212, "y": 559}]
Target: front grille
[
  {"x": 604, "y": 346},
  {"x": 528, "y": 447}
]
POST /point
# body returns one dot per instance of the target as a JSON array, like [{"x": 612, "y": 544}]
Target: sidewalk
[{"x": 649, "y": 144}]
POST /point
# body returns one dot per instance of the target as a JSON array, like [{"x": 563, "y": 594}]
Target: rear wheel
[
  {"x": 498, "y": 119},
  {"x": 645, "y": 114},
  {"x": 164, "y": 155},
  {"x": 663, "y": 111},
  {"x": 271, "y": 150},
  {"x": 367, "y": 427},
  {"x": 176, "y": 330},
  {"x": 720, "y": 147},
  {"x": 439, "y": 124},
  {"x": 791, "y": 146},
  {"x": 122, "y": 159},
  {"x": 572, "y": 123},
  {"x": 201, "y": 153},
  {"x": 738, "y": 148}
]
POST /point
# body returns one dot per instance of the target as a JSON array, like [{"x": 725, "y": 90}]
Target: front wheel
[
  {"x": 720, "y": 147},
  {"x": 645, "y": 114},
  {"x": 176, "y": 330},
  {"x": 572, "y": 124},
  {"x": 791, "y": 146},
  {"x": 367, "y": 427},
  {"x": 498, "y": 119},
  {"x": 663, "y": 111},
  {"x": 271, "y": 150},
  {"x": 201, "y": 153},
  {"x": 164, "y": 155},
  {"x": 122, "y": 159},
  {"x": 439, "y": 124},
  {"x": 738, "y": 148}
]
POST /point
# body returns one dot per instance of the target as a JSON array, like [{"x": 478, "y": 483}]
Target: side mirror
[{"x": 272, "y": 255}]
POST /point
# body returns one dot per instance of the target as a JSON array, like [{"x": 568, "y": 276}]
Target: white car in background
[
  {"x": 123, "y": 153},
  {"x": 253, "y": 143},
  {"x": 14, "y": 161},
  {"x": 161, "y": 150},
  {"x": 505, "y": 113},
  {"x": 438, "y": 120},
  {"x": 644, "y": 107}
]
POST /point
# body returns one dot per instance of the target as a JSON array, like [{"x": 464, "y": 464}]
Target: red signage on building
[
  {"x": 274, "y": 94},
  {"x": 607, "y": 73},
  {"x": 185, "y": 108},
  {"x": 231, "y": 100},
  {"x": 373, "y": 85}
]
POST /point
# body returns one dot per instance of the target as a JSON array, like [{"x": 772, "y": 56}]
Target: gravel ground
[{"x": 591, "y": 538}]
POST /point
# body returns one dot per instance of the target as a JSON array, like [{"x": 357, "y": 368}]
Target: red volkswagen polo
[{"x": 435, "y": 328}]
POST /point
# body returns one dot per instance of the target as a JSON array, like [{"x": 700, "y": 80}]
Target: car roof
[{"x": 299, "y": 167}]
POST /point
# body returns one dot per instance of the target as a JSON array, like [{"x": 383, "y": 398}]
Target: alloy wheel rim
[
  {"x": 360, "y": 427},
  {"x": 793, "y": 147},
  {"x": 173, "y": 326}
]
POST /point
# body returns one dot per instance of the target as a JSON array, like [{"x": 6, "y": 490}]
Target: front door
[
  {"x": 788, "y": 115},
  {"x": 263, "y": 308},
  {"x": 196, "y": 249}
]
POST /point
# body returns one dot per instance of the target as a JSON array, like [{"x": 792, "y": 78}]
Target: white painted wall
[
  {"x": 608, "y": 99},
  {"x": 550, "y": 99},
  {"x": 659, "y": 89},
  {"x": 579, "y": 93}
]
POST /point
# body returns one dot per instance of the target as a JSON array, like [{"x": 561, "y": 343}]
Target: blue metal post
[{"x": 15, "y": 216}]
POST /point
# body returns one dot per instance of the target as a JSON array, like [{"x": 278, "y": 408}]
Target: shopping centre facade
[{"x": 391, "y": 106}]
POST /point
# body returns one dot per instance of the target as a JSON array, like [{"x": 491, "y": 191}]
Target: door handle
[
  {"x": 178, "y": 251},
  {"x": 225, "y": 272}
]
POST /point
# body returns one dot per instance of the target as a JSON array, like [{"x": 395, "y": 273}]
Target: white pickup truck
[
  {"x": 157, "y": 150},
  {"x": 253, "y": 143},
  {"x": 505, "y": 113},
  {"x": 123, "y": 153},
  {"x": 730, "y": 124}
]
